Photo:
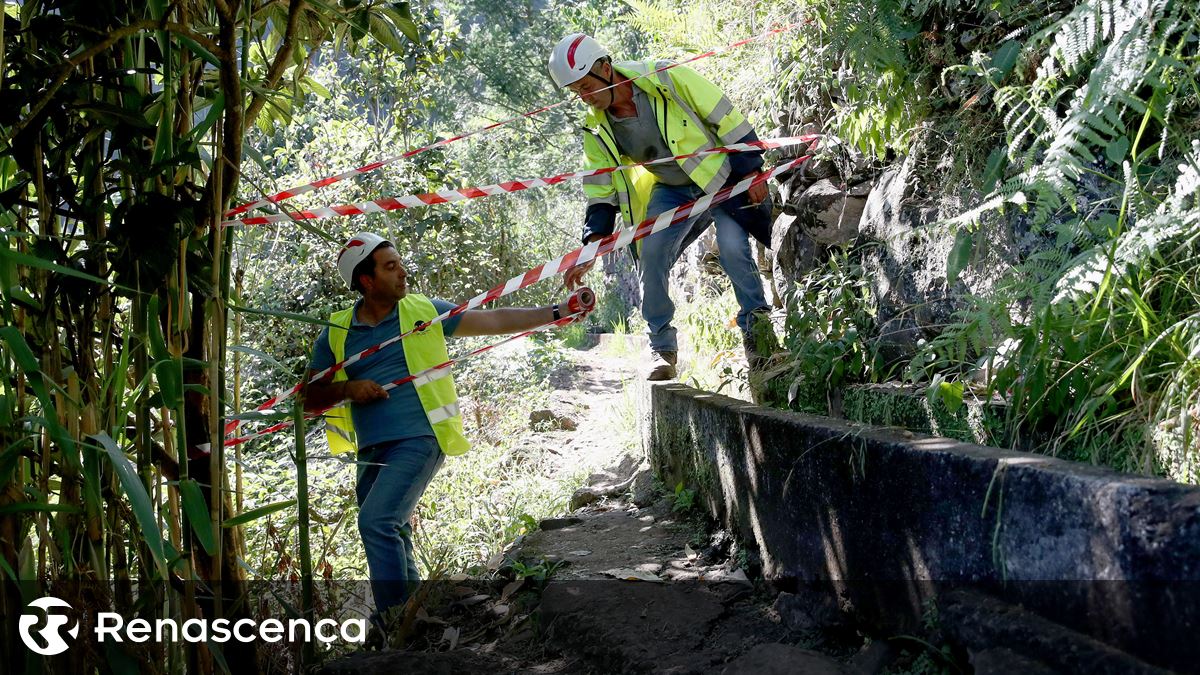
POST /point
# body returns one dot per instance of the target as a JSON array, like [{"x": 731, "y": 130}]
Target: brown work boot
[{"x": 662, "y": 366}]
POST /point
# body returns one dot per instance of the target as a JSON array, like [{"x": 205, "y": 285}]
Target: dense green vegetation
[
  {"x": 1072, "y": 121},
  {"x": 133, "y": 325}
]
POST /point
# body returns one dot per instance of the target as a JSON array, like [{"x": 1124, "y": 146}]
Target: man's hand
[
  {"x": 574, "y": 277},
  {"x": 364, "y": 391},
  {"x": 757, "y": 193},
  {"x": 323, "y": 394}
]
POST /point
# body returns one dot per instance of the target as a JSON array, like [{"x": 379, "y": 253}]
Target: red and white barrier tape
[
  {"x": 280, "y": 426},
  {"x": 456, "y": 195},
  {"x": 309, "y": 187},
  {"x": 579, "y": 256}
]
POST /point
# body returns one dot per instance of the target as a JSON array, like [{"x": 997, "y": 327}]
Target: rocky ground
[
  {"x": 634, "y": 579},
  {"x": 614, "y": 587}
]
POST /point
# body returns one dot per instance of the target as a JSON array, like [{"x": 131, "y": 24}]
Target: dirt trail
[
  {"x": 596, "y": 391},
  {"x": 631, "y": 581}
]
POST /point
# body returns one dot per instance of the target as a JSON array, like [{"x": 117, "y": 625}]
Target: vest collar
[
  {"x": 355, "y": 323},
  {"x": 631, "y": 70}
]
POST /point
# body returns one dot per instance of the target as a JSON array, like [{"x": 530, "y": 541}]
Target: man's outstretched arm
[{"x": 504, "y": 320}]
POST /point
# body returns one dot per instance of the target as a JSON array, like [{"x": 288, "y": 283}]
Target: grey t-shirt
[{"x": 640, "y": 139}]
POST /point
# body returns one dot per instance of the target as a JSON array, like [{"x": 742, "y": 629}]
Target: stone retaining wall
[{"x": 891, "y": 520}]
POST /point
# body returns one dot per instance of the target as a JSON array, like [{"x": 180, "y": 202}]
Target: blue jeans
[
  {"x": 661, "y": 249},
  {"x": 392, "y": 476}
]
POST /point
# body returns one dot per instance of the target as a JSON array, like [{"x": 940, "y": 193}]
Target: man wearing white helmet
[
  {"x": 638, "y": 115},
  {"x": 400, "y": 437}
]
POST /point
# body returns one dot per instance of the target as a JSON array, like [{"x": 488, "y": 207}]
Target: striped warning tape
[
  {"x": 579, "y": 256},
  {"x": 430, "y": 373},
  {"x": 460, "y": 194},
  {"x": 315, "y": 185}
]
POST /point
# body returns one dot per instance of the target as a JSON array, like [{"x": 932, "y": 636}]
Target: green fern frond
[
  {"x": 1174, "y": 224},
  {"x": 1187, "y": 185},
  {"x": 1128, "y": 41},
  {"x": 683, "y": 26},
  {"x": 1079, "y": 35}
]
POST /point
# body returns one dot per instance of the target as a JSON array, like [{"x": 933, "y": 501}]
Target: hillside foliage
[
  {"x": 133, "y": 326},
  {"x": 1073, "y": 121}
]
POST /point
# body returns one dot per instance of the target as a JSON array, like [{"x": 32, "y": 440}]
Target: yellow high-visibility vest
[
  {"x": 422, "y": 350},
  {"x": 693, "y": 115}
]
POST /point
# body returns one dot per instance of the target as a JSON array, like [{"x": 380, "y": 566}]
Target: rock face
[
  {"x": 821, "y": 205},
  {"x": 780, "y": 659},
  {"x": 621, "y": 273},
  {"x": 545, "y": 419},
  {"x": 903, "y": 263},
  {"x": 618, "y": 624},
  {"x": 796, "y": 251},
  {"x": 890, "y": 221},
  {"x": 842, "y": 199},
  {"x": 1002, "y": 638},
  {"x": 830, "y": 214},
  {"x": 437, "y": 663},
  {"x": 905, "y": 254}
]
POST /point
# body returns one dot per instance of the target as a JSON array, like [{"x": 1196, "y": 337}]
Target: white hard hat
[
  {"x": 359, "y": 248},
  {"x": 573, "y": 57}
]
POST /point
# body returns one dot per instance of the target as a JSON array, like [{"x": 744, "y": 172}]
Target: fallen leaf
[
  {"x": 459, "y": 577},
  {"x": 463, "y": 591},
  {"x": 450, "y": 635},
  {"x": 496, "y": 561},
  {"x": 474, "y": 600},
  {"x": 500, "y": 611},
  {"x": 690, "y": 553},
  {"x": 580, "y": 553},
  {"x": 510, "y": 588}
]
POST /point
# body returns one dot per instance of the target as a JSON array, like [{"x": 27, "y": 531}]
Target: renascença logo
[
  {"x": 114, "y": 627},
  {"x": 50, "y": 633}
]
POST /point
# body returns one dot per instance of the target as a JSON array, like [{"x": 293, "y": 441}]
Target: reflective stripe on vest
[
  {"x": 444, "y": 413},
  {"x": 422, "y": 351},
  {"x": 709, "y": 175}
]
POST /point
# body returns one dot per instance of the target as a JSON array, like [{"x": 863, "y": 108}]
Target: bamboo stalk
[
  {"x": 40, "y": 520},
  {"x": 216, "y": 326},
  {"x": 2, "y": 68},
  {"x": 306, "y": 579},
  {"x": 175, "y": 335},
  {"x": 70, "y": 475},
  {"x": 237, "y": 388},
  {"x": 173, "y": 521}
]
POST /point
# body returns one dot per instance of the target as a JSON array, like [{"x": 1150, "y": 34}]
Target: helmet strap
[{"x": 612, "y": 94}]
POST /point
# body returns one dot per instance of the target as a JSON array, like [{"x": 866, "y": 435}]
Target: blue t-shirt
[{"x": 400, "y": 415}]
